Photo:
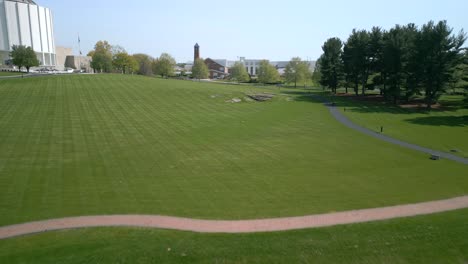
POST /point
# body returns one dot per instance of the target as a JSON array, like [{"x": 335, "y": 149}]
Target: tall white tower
[{"x": 23, "y": 22}]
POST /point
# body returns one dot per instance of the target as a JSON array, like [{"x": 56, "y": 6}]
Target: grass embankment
[
  {"x": 440, "y": 238},
  {"x": 441, "y": 129},
  {"x": 112, "y": 144}
]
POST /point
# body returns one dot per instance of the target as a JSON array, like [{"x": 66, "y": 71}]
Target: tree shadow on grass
[
  {"x": 363, "y": 105},
  {"x": 315, "y": 96},
  {"x": 306, "y": 96},
  {"x": 452, "y": 121}
]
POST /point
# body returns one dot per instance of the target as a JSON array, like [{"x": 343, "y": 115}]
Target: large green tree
[
  {"x": 317, "y": 75},
  {"x": 459, "y": 79},
  {"x": 239, "y": 73},
  {"x": 101, "y": 57},
  {"x": 144, "y": 63},
  {"x": 357, "y": 59},
  {"x": 350, "y": 74},
  {"x": 23, "y": 56},
  {"x": 331, "y": 64},
  {"x": 116, "y": 49},
  {"x": 439, "y": 52},
  {"x": 411, "y": 62},
  {"x": 375, "y": 53},
  {"x": 404, "y": 61},
  {"x": 164, "y": 65},
  {"x": 199, "y": 69},
  {"x": 463, "y": 83},
  {"x": 124, "y": 63},
  {"x": 267, "y": 73},
  {"x": 297, "y": 71},
  {"x": 394, "y": 61}
]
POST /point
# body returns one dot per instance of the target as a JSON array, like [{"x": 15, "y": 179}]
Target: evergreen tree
[
  {"x": 439, "y": 52},
  {"x": 463, "y": 83},
  {"x": 356, "y": 59},
  {"x": 376, "y": 58},
  {"x": 331, "y": 65},
  {"x": 394, "y": 57},
  {"x": 411, "y": 68}
]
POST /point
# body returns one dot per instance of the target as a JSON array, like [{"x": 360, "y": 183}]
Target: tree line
[
  {"x": 296, "y": 72},
  {"x": 403, "y": 62},
  {"x": 107, "y": 58},
  {"x": 115, "y": 59}
]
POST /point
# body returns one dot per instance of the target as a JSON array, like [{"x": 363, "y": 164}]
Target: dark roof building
[{"x": 216, "y": 70}]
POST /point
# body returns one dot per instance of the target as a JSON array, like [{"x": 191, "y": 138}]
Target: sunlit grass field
[{"x": 113, "y": 144}]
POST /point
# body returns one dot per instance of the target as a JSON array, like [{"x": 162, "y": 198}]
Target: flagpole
[{"x": 79, "y": 54}]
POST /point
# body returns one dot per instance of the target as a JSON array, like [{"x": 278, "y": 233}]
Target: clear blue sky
[{"x": 256, "y": 29}]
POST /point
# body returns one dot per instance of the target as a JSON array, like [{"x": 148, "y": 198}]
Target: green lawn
[
  {"x": 112, "y": 144},
  {"x": 10, "y": 73},
  {"x": 445, "y": 129},
  {"x": 439, "y": 238}
]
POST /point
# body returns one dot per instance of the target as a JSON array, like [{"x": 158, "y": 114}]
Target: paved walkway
[
  {"x": 345, "y": 121},
  {"x": 237, "y": 226}
]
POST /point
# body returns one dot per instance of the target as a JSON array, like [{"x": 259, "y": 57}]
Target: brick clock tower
[{"x": 196, "y": 52}]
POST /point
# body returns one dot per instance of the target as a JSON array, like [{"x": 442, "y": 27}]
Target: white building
[
  {"x": 252, "y": 65},
  {"x": 23, "y": 22}
]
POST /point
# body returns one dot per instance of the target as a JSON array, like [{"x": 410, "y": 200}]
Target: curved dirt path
[
  {"x": 237, "y": 226},
  {"x": 345, "y": 121}
]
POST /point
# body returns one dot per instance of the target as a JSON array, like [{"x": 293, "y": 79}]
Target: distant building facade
[
  {"x": 251, "y": 66},
  {"x": 81, "y": 63},
  {"x": 216, "y": 70},
  {"x": 62, "y": 53},
  {"x": 66, "y": 60},
  {"x": 23, "y": 22}
]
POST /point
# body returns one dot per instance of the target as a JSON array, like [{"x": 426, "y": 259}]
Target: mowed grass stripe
[{"x": 111, "y": 144}]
